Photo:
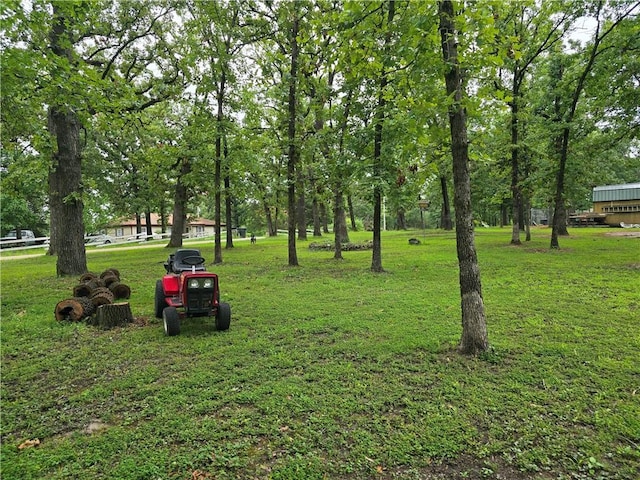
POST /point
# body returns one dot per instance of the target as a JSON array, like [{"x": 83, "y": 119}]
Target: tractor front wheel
[
  {"x": 159, "y": 299},
  {"x": 223, "y": 318},
  {"x": 171, "y": 320}
]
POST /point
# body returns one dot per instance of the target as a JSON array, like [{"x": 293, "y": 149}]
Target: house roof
[
  {"x": 155, "y": 221},
  {"x": 607, "y": 193}
]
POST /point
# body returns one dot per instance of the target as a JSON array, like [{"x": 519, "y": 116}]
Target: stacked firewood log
[{"x": 93, "y": 301}]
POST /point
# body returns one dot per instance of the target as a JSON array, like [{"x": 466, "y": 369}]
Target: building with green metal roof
[{"x": 619, "y": 203}]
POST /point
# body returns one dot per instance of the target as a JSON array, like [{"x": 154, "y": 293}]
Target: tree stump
[
  {"x": 112, "y": 315},
  {"x": 74, "y": 309}
]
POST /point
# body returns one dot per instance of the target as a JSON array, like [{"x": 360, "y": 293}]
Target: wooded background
[{"x": 245, "y": 111}]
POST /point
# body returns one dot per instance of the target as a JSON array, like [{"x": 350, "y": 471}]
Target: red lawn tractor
[{"x": 188, "y": 290}]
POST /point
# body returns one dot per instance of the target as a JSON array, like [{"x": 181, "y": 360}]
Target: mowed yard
[{"x": 331, "y": 371}]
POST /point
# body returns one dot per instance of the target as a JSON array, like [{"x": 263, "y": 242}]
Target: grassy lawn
[{"x": 331, "y": 371}]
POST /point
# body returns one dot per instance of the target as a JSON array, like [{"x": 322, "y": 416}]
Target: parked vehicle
[
  {"x": 99, "y": 238},
  {"x": 27, "y": 236},
  {"x": 143, "y": 237},
  {"x": 188, "y": 290}
]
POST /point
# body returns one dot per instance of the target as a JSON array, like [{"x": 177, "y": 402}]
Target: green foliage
[
  {"x": 330, "y": 371},
  {"x": 130, "y": 56},
  {"x": 23, "y": 199}
]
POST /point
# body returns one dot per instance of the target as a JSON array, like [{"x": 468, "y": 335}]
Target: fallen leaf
[
  {"x": 29, "y": 443},
  {"x": 379, "y": 469},
  {"x": 284, "y": 428},
  {"x": 200, "y": 475}
]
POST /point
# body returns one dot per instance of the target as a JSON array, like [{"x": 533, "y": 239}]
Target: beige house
[
  {"x": 619, "y": 204},
  {"x": 194, "y": 227}
]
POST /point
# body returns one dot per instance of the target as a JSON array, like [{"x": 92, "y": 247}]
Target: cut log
[
  {"x": 95, "y": 283},
  {"x": 99, "y": 300},
  {"x": 109, "y": 279},
  {"x": 87, "y": 276},
  {"x": 85, "y": 289},
  {"x": 111, "y": 271},
  {"x": 102, "y": 291},
  {"x": 82, "y": 290},
  {"x": 120, "y": 290},
  {"x": 112, "y": 315},
  {"x": 101, "y": 296},
  {"x": 74, "y": 309}
]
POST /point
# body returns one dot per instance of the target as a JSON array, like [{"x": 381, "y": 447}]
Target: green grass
[{"x": 331, "y": 371}]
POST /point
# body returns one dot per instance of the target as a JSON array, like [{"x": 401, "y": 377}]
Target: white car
[{"x": 99, "y": 238}]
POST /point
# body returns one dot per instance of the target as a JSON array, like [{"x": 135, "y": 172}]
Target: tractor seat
[{"x": 179, "y": 266}]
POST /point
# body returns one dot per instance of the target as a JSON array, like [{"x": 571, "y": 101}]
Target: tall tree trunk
[
  {"x": 338, "y": 216},
  {"x": 445, "y": 218},
  {"x": 267, "y": 213},
  {"x": 65, "y": 174},
  {"x": 228, "y": 199},
  {"x": 527, "y": 215},
  {"x": 292, "y": 160},
  {"x": 515, "y": 174},
  {"x": 149, "y": 226},
  {"x": 315, "y": 209},
  {"x": 138, "y": 224},
  {"x": 180, "y": 199},
  {"x": 301, "y": 214},
  {"x": 352, "y": 215},
  {"x": 217, "y": 186},
  {"x": 559, "y": 225},
  {"x": 376, "y": 258},
  {"x": 317, "y": 221},
  {"x": 341, "y": 234},
  {"x": 474, "y": 329},
  {"x": 65, "y": 191},
  {"x": 228, "y": 204},
  {"x": 324, "y": 217},
  {"x": 163, "y": 215},
  {"x": 217, "y": 177},
  {"x": 561, "y": 144},
  {"x": 276, "y": 218},
  {"x": 401, "y": 221}
]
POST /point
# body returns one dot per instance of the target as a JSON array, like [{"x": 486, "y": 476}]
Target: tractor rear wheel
[
  {"x": 223, "y": 318},
  {"x": 171, "y": 320},
  {"x": 159, "y": 299}
]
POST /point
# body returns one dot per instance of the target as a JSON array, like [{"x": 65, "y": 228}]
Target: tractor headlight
[
  {"x": 193, "y": 283},
  {"x": 208, "y": 283}
]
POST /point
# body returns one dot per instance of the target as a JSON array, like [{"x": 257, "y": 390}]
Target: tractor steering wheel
[{"x": 193, "y": 260}]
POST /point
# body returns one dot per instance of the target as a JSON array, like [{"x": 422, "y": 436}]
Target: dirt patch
[
  {"x": 95, "y": 426},
  {"x": 141, "y": 321},
  {"x": 464, "y": 466},
  {"x": 623, "y": 234}
]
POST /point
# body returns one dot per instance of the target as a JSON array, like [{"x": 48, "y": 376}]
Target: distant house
[
  {"x": 194, "y": 227},
  {"x": 618, "y": 204}
]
